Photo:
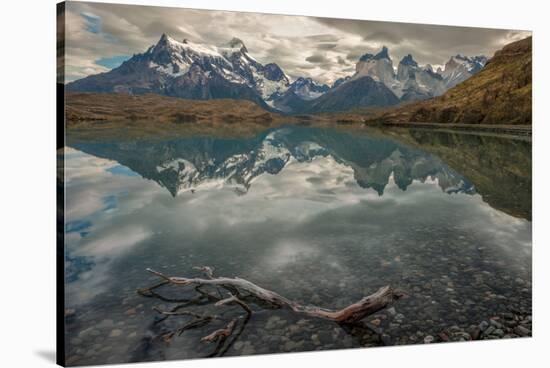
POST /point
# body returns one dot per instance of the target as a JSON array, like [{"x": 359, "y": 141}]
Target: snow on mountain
[
  {"x": 379, "y": 67},
  {"x": 232, "y": 61},
  {"x": 413, "y": 81},
  {"x": 237, "y": 170},
  {"x": 174, "y": 58},
  {"x": 192, "y": 70},
  {"x": 266, "y": 80},
  {"x": 298, "y": 94},
  {"x": 418, "y": 82},
  {"x": 307, "y": 89},
  {"x": 459, "y": 68}
]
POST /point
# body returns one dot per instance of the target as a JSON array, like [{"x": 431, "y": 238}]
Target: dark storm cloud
[
  {"x": 323, "y": 37},
  {"x": 355, "y": 54},
  {"x": 341, "y": 60},
  {"x": 327, "y": 46},
  {"x": 387, "y": 36},
  {"x": 317, "y": 58}
]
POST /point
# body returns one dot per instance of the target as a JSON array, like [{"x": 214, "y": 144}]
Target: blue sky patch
[
  {"x": 121, "y": 170},
  {"x": 93, "y": 22},
  {"x": 110, "y": 203},
  {"x": 112, "y": 62},
  {"x": 77, "y": 226}
]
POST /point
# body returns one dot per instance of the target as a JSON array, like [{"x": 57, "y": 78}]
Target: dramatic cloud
[
  {"x": 427, "y": 43},
  {"x": 317, "y": 58},
  {"x": 100, "y": 36}
]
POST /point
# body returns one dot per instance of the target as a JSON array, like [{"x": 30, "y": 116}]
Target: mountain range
[
  {"x": 199, "y": 71},
  {"x": 500, "y": 93}
]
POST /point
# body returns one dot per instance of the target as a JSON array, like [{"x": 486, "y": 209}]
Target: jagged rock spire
[
  {"x": 408, "y": 60},
  {"x": 383, "y": 54}
]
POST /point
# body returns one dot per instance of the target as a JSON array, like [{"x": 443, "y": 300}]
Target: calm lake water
[{"x": 320, "y": 215}]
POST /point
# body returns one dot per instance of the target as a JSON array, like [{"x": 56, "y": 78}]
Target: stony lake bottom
[{"x": 323, "y": 216}]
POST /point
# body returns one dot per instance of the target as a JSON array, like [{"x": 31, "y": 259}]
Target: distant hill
[
  {"x": 499, "y": 94},
  {"x": 356, "y": 93},
  {"x": 100, "y": 107}
]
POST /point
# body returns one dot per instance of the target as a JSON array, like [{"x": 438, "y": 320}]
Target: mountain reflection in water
[
  {"x": 186, "y": 164},
  {"x": 320, "y": 215}
]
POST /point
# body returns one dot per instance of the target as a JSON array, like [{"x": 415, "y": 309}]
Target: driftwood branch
[
  {"x": 208, "y": 271},
  {"x": 196, "y": 322},
  {"x": 350, "y": 314},
  {"x": 237, "y": 287},
  {"x": 222, "y": 333},
  {"x": 233, "y": 299}
]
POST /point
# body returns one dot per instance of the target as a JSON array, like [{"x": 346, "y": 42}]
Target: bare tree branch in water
[{"x": 240, "y": 290}]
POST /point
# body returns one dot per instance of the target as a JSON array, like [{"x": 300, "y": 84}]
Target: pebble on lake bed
[{"x": 115, "y": 333}]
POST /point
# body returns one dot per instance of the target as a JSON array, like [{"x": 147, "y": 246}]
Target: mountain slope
[
  {"x": 499, "y": 94},
  {"x": 361, "y": 92},
  {"x": 298, "y": 93},
  {"x": 459, "y": 68}
]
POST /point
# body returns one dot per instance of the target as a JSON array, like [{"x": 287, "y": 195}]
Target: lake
[{"x": 323, "y": 216}]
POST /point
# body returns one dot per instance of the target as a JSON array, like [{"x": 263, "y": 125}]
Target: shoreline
[
  {"x": 144, "y": 129},
  {"x": 518, "y": 130},
  {"x": 161, "y": 113}
]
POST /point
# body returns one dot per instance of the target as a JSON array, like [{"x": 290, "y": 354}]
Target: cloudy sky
[{"x": 99, "y": 37}]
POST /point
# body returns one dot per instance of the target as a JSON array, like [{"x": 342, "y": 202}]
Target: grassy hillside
[
  {"x": 499, "y": 94},
  {"x": 87, "y": 108}
]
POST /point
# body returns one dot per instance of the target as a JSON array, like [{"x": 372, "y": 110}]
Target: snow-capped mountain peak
[
  {"x": 185, "y": 46},
  {"x": 307, "y": 89},
  {"x": 460, "y": 67},
  {"x": 231, "y": 61},
  {"x": 174, "y": 58}
]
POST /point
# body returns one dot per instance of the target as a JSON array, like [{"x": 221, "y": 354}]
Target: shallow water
[{"x": 322, "y": 216}]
